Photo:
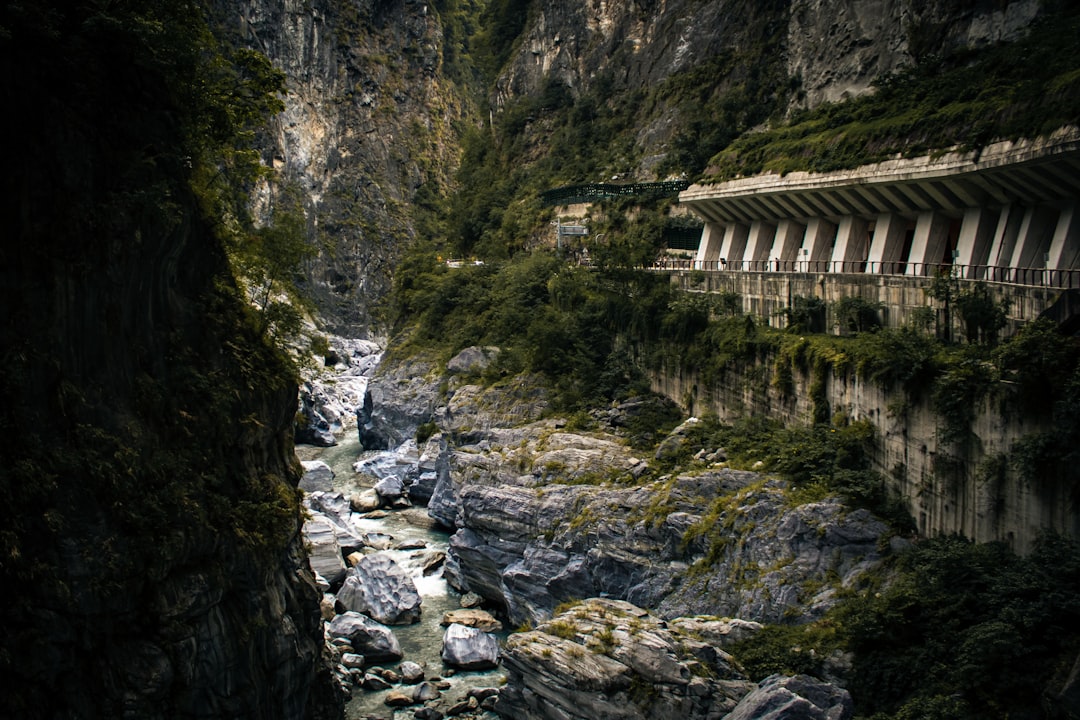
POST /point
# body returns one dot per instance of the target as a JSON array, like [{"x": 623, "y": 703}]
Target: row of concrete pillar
[{"x": 985, "y": 242}]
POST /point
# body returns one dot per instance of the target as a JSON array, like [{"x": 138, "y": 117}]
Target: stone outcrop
[
  {"x": 324, "y": 549},
  {"x": 526, "y": 544},
  {"x": 832, "y": 48},
  {"x": 332, "y": 396},
  {"x": 473, "y": 617},
  {"x": 410, "y": 393},
  {"x": 318, "y": 477},
  {"x": 472, "y": 360},
  {"x": 610, "y": 659},
  {"x": 794, "y": 698}
]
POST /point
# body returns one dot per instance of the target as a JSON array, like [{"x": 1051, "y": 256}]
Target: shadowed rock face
[{"x": 152, "y": 559}]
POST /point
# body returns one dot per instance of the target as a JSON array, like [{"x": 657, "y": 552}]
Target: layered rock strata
[{"x": 610, "y": 659}]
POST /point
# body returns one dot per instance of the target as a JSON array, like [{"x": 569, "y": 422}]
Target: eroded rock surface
[
  {"x": 610, "y": 659},
  {"x": 794, "y": 698},
  {"x": 527, "y": 547},
  {"x": 379, "y": 588}
]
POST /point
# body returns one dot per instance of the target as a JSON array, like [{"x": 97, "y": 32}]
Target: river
[{"x": 422, "y": 641}]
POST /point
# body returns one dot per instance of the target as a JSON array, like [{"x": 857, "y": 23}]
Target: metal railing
[
  {"x": 1036, "y": 277},
  {"x": 591, "y": 192}
]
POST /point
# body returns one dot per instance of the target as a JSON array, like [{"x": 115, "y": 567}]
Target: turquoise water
[{"x": 422, "y": 641}]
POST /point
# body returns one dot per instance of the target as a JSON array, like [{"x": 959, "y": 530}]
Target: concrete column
[
  {"x": 1001, "y": 248},
  {"x": 887, "y": 245},
  {"x": 734, "y": 245},
  {"x": 758, "y": 244},
  {"x": 819, "y": 240},
  {"x": 789, "y": 237},
  {"x": 851, "y": 240},
  {"x": 928, "y": 245},
  {"x": 976, "y": 237},
  {"x": 1065, "y": 247},
  {"x": 708, "y": 252}
]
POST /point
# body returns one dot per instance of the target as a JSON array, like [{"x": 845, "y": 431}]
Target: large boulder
[
  {"x": 376, "y": 642},
  {"x": 469, "y": 648},
  {"x": 379, "y": 588},
  {"x": 794, "y": 698},
  {"x": 335, "y": 509},
  {"x": 472, "y": 360},
  {"x": 390, "y": 489}
]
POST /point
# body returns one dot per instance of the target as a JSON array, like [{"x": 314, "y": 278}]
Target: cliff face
[
  {"x": 372, "y": 120},
  {"x": 367, "y": 124},
  {"x": 833, "y": 48},
  {"x": 838, "y": 48},
  {"x": 151, "y": 555},
  {"x": 777, "y": 56}
]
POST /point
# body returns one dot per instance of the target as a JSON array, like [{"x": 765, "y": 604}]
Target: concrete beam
[
  {"x": 968, "y": 194},
  {"x": 709, "y": 210},
  {"x": 788, "y": 242},
  {"x": 712, "y": 236},
  {"x": 820, "y": 240},
  {"x": 917, "y": 196},
  {"x": 976, "y": 236},
  {"x": 856, "y": 202},
  {"x": 1036, "y": 182},
  {"x": 1065, "y": 247},
  {"x": 790, "y": 207},
  {"x": 741, "y": 209},
  {"x": 890, "y": 199},
  {"x": 1001, "y": 247},
  {"x": 806, "y": 208},
  {"x": 759, "y": 242},
  {"x": 852, "y": 241},
  {"x": 775, "y": 209},
  {"x": 998, "y": 195},
  {"x": 1034, "y": 238},
  {"x": 887, "y": 245},
  {"x": 734, "y": 244},
  {"x": 1067, "y": 177},
  {"x": 944, "y": 197},
  {"x": 928, "y": 244}
]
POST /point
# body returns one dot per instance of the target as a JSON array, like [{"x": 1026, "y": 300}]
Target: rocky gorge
[
  {"x": 163, "y": 552},
  {"x": 561, "y": 531}
]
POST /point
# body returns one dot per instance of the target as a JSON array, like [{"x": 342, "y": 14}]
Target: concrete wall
[
  {"x": 948, "y": 489},
  {"x": 767, "y": 295}
]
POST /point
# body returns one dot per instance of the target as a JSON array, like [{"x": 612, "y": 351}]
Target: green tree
[
  {"x": 983, "y": 316},
  {"x": 268, "y": 261}
]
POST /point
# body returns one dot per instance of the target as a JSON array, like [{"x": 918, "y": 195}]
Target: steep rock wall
[
  {"x": 947, "y": 487},
  {"x": 367, "y": 124},
  {"x": 152, "y": 564},
  {"x": 837, "y": 48},
  {"x": 829, "y": 49}
]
